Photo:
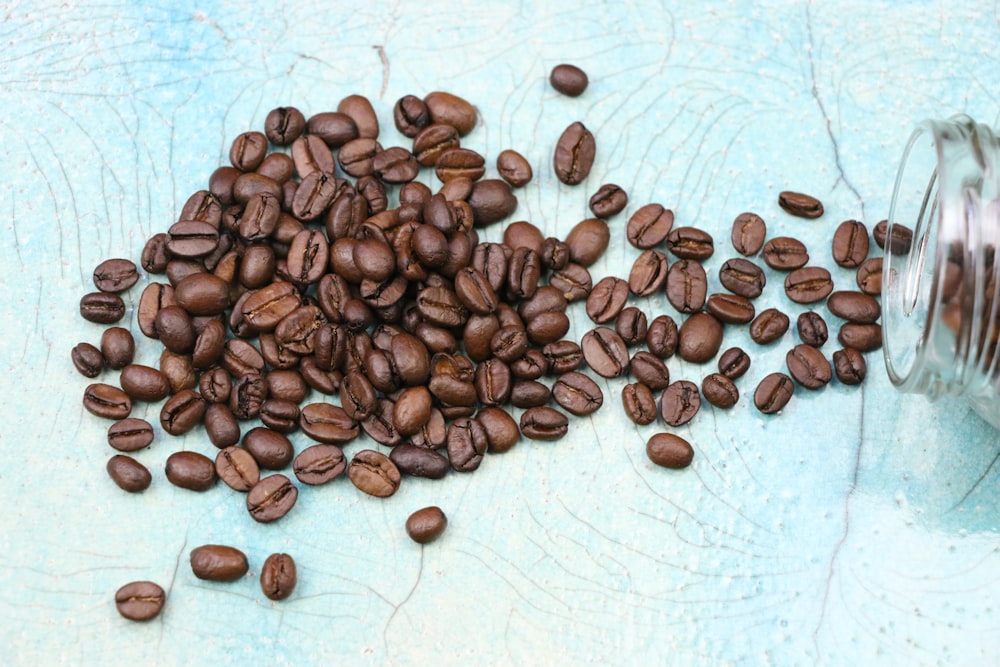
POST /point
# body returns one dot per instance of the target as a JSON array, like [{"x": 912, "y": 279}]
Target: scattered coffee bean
[
  {"x": 587, "y": 241},
  {"x": 140, "y": 600},
  {"x": 743, "y": 277},
  {"x": 720, "y": 390},
  {"x": 849, "y": 365},
  {"x": 869, "y": 276},
  {"x": 699, "y": 338},
  {"x": 609, "y": 200},
  {"x": 420, "y": 461},
  {"x": 373, "y": 473},
  {"x": 578, "y": 394},
  {"x": 785, "y": 253},
  {"x": 237, "y": 468},
  {"x": 574, "y": 154},
  {"x": 730, "y": 308},
  {"x": 87, "y": 359},
  {"x": 850, "y": 244},
  {"x": 808, "y": 366},
  {"x": 662, "y": 336},
  {"x": 687, "y": 286},
  {"x": 649, "y": 273},
  {"x": 501, "y": 430},
  {"x": 669, "y": 451},
  {"x": 115, "y": 275},
  {"x": 773, "y": 393},
  {"x": 102, "y": 307},
  {"x": 649, "y": 226},
  {"x": 769, "y": 326},
  {"x": 529, "y": 394},
  {"x": 632, "y": 326},
  {"x": 607, "y": 299},
  {"x": 812, "y": 329},
  {"x": 466, "y": 442},
  {"x": 271, "y": 450},
  {"x": 278, "y": 576},
  {"x": 690, "y": 243},
  {"x": 450, "y": 109},
  {"x": 808, "y": 284},
  {"x": 605, "y": 352},
  {"x": 271, "y": 498},
  {"x": 514, "y": 168},
  {"x": 856, "y": 307},
  {"x": 426, "y": 525},
  {"x": 128, "y": 474},
  {"x": 649, "y": 369},
  {"x": 130, "y": 435},
  {"x": 218, "y": 562},
  {"x": 680, "y": 402},
  {"x": 543, "y": 423},
  {"x": 104, "y": 400},
  {"x": 190, "y": 470},
  {"x": 569, "y": 80},
  {"x": 899, "y": 237},
  {"x": 862, "y": 337},
  {"x": 748, "y": 233},
  {"x": 182, "y": 412},
  {"x": 734, "y": 362},
  {"x": 800, "y": 205},
  {"x": 639, "y": 403}
]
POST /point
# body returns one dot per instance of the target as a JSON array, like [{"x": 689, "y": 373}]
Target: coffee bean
[
  {"x": 554, "y": 253},
  {"x": 154, "y": 297},
  {"x": 743, "y": 277},
  {"x": 278, "y": 576},
  {"x": 333, "y": 127},
  {"x": 283, "y": 125},
  {"x": 104, "y": 400},
  {"x": 730, "y": 308},
  {"x": 128, "y": 474},
  {"x": 102, "y": 307},
  {"x": 573, "y": 281},
  {"x": 649, "y": 226},
  {"x": 373, "y": 473},
  {"x": 419, "y": 461},
  {"x": 588, "y": 240},
  {"x": 329, "y": 423},
  {"x": 467, "y": 444},
  {"x": 609, "y": 200},
  {"x": 734, "y": 362},
  {"x": 649, "y": 370},
  {"x": 237, "y": 468},
  {"x": 574, "y": 154},
  {"x": 221, "y": 425},
  {"x": 410, "y": 115},
  {"x": 869, "y": 276},
  {"x": 639, "y": 403},
  {"x": 577, "y": 394},
  {"x": 190, "y": 470},
  {"x": 191, "y": 239},
  {"x": 140, "y": 600},
  {"x": 662, "y": 336},
  {"x": 491, "y": 200},
  {"x": 648, "y": 273},
  {"x": 785, "y": 253},
  {"x": 605, "y": 352},
  {"x": 850, "y": 244},
  {"x": 808, "y": 284},
  {"x": 607, "y": 299},
  {"x": 856, "y": 307},
  {"x": 773, "y": 393},
  {"x": 218, "y": 562},
  {"x": 690, "y": 243},
  {"x": 699, "y": 338},
  {"x": 680, "y": 402},
  {"x": 509, "y": 343},
  {"x": 748, "y": 233},
  {"x": 319, "y": 464},
  {"x": 115, "y": 275},
  {"x": 454, "y": 163},
  {"x": 529, "y": 394},
  {"x": 687, "y": 286},
  {"x": 808, "y": 366},
  {"x": 280, "y": 415},
  {"x": 271, "y": 450},
  {"x": 632, "y": 326},
  {"x": 862, "y": 337},
  {"x": 800, "y": 205},
  {"x": 452, "y": 110},
  {"x": 769, "y": 326},
  {"x": 569, "y": 80},
  {"x": 850, "y": 366},
  {"x": 271, "y": 498},
  {"x": 431, "y": 141},
  {"x": 87, "y": 359},
  {"x": 543, "y": 423},
  {"x": 182, "y": 412},
  {"x": 669, "y": 451},
  {"x": 502, "y": 432},
  {"x": 178, "y": 370},
  {"x": 720, "y": 391},
  {"x": 899, "y": 237},
  {"x": 155, "y": 255},
  {"x": 130, "y": 435},
  {"x": 514, "y": 168},
  {"x": 117, "y": 347},
  {"x": 812, "y": 329}
]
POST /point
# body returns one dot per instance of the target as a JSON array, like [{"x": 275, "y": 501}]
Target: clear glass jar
[{"x": 940, "y": 292}]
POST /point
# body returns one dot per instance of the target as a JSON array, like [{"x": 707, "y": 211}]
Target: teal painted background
[{"x": 858, "y": 527}]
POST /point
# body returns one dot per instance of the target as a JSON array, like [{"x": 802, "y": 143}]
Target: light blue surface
[{"x": 858, "y": 527}]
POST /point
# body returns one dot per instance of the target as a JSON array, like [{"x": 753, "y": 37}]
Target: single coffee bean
[
  {"x": 175, "y": 329},
  {"x": 573, "y": 281},
  {"x": 419, "y": 461},
  {"x": 278, "y": 576},
  {"x": 217, "y": 562},
  {"x": 491, "y": 200},
  {"x": 720, "y": 391},
  {"x": 812, "y": 329},
  {"x": 639, "y": 403},
  {"x": 248, "y": 394},
  {"x": 104, "y": 400},
  {"x": 209, "y": 346},
  {"x": 743, "y": 277},
  {"x": 359, "y": 109},
  {"x": 648, "y": 273},
  {"x": 279, "y": 415},
  {"x": 605, "y": 352},
  {"x": 117, "y": 347},
  {"x": 607, "y": 299},
  {"x": 850, "y": 244},
  {"x": 502, "y": 431},
  {"x": 690, "y": 243},
  {"x": 587, "y": 241},
  {"x": 869, "y": 276},
  {"x": 397, "y": 165},
  {"x": 451, "y": 110},
  {"x": 662, "y": 336},
  {"x": 155, "y": 255},
  {"x": 577, "y": 394},
  {"x": 862, "y": 337},
  {"x": 128, "y": 474},
  {"x": 808, "y": 284},
  {"x": 699, "y": 338},
  {"x": 271, "y": 498},
  {"x": 687, "y": 286},
  {"x": 221, "y": 425},
  {"x": 330, "y": 424},
  {"x": 632, "y": 326},
  {"x": 649, "y": 369},
  {"x": 850, "y": 366},
  {"x": 769, "y": 326},
  {"x": 102, "y": 307},
  {"x": 529, "y": 394},
  {"x": 800, "y": 205},
  {"x": 808, "y": 366},
  {"x": 333, "y": 127},
  {"x": 748, "y": 233},
  {"x": 426, "y": 525},
  {"x": 514, "y": 168},
  {"x": 669, "y": 451},
  {"x": 649, "y": 226},
  {"x": 279, "y": 167},
  {"x": 730, "y": 308},
  {"x": 773, "y": 393},
  {"x": 609, "y": 200},
  {"x": 283, "y": 125},
  {"x": 373, "y": 473},
  {"x": 87, "y": 359},
  {"x": 271, "y": 450},
  {"x": 554, "y": 253},
  {"x": 190, "y": 470},
  {"x": 452, "y": 163},
  {"x": 680, "y": 402},
  {"x": 115, "y": 275},
  {"x": 467, "y": 444},
  {"x": 899, "y": 237},
  {"x": 182, "y": 412},
  {"x": 574, "y": 154},
  {"x": 410, "y": 115},
  {"x": 493, "y": 383},
  {"x": 569, "y": 80},
  {"x": 130, "y": 435},
  {"x": 785, "y": 253},
  {"x": 154, "y": 297},
  {"x": 433, "y": 140},
  {"x": 319, "y": 464},
  {"x": 140, "y": 600},
  {"x": 734, "y": 362},
  {"x": 191, "y": 239},
  {"x": 543, "y": 423},
  {"x": 237, "y": 468},
  {"x": 856, "y": 307},
  {"x": 178, "y": 370}
]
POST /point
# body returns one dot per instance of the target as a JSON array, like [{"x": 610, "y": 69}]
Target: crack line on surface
[
  {"x": 384, "y": 59},
  {"x": 397, "y": 607}
]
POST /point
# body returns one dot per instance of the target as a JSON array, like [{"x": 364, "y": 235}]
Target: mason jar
[{"x": 939, "y": 276}]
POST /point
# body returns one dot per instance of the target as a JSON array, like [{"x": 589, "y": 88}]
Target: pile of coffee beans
[{"x": 316, "y": 286}]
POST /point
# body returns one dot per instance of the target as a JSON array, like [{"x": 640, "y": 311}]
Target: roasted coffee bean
[
  {"x": 175, "y": 329},
  {"x": 237, "y": 468},
  {"x": 509, "y": 343},
  {"x": 140, "y": 600},
  {"x": 812, "y": 329},
  {"x": 800, "y": 205},
  {"x": 221, "y": 183},
  {"x": 190, "y": 470},
  {"x": 432, "y": 140},
  {"x": 529, "y": 394},
  {"x": 266, "y": 307},
  {"x": 862, "y": 337},
  {"x": 808, "y": 284},
  {"x": 154, "y": 297},
  {"x": 279, "y": 167},
  {"x": 373, "y": 473},
  {"x": 178, "y": 370},
  {"x": 359, "y": 109},
  {"x": 785, "y": 253},
  {"x": 649, "y": 272},
  {"x": 410, "y": 115},
  {"x": 543, "y": 423},
  {"x": 247, "y": 187},
  {"x": 474, "y": 291},
  {"x": 639, "y": 403},
  {"x": 690, "y": 243},
  {"x": 144, "y": 383},
  {"x": 248, "y": 150},
  {"x": 514, "y": 168},
  {"x": 662, "y": 336},
  {"x": 419, "y": 461},
  {"x": 182, "y": 412},
  {"x": 577, "y": 394},
  {"x": 155, "y": 255},
  {"x": 650, "y": 370},
  {"x": 649, "y": 226},
  {"x": 856, "y": 307},
  {"x": 128, "y": 474},
  {"x": 632, "y": 326},
  {"x": 87, "y": 359},
  {"x": 491, "y": 200},
  {"x": 311, "y": 155},
  {"x": 493, "y": 382},
  {"x": 241, "y": 358},
  {"x": 426, "y": 525},
  {"x": 191, "y": 239},
  {"x": 286, "y": 385},
  {"x": 203, "y": 206},
  {"x": 283, "y": 125},
  {"x": 279, "y": 415},
  {"x": 573, "y": 281},
  {"x": 734, "y": 362},
  {"x": 748, "y": 233},
  {"x": 899, "y": 237},
  {"x": 605, "y": 352},
  {"x": 379, "y": 426},
  {"x": 773, "y": 393},
  {"x": 687, "y": 286},
  {"x": 680, "y": 402},
  {"x": 271, "y": 498},
  {"x": 454, "y": 163},
  {"x": 441, "y": 306},
  {"x": 554, "y": 253},
  {"x": 467, "y": 444},
  {"x": 850, "y": 366},
  {"x": 130, "y": 435},
  {"x": 869, "y": 276},
  {"x": 357, "y": 157},
  {"x": 531, "y": 366},
  {"x": 329, "y": 423},
  {"x": 115, "y": 275},
  {"x": 412, "y": 410},
  {"x": 248, "y": 394},
  {"x": 271, "y": 450},
  {"x": 669, "y": 451},
  {"x": 607, "y": 299},
  {"x": 850, "y": 244},
  {"x": 102, "y": 307},
  {"x": 699, "y": 338},
  {"x": 178, "y": 269},
  {"x": 333, "y": 127},
  {"x": 278, "y": 577},
  {"x": 397, "y": 165},
  {"x": 431, "y": 435},
  {"x": 569, "y": 80},
  {"x": 501, "y": 430},
  {"x": 609, "y": 200},
  {"x": 574, "y": 154},
  {"x": 808, "y": 366},
  {"x": 587, "y": 241},
  {"x": 202, "y": 294},
  {"x": 720, "y": 391},
  {"x": 221, "y": 425},
  {"x": 452, "y": 110},
  {"x": 769, "y": 326},
  {"x": 217, "y": 562},
  {"x": 319, "y": 464},
  {"x": 730, "y": 308},
  {"x": 104, "y": 400},
  {"x": 209, "y": 346},
  {"x": 743, "y": 277}
]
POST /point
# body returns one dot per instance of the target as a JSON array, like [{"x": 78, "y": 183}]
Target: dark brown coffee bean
[
  {"x": 609, "y": 200},
  {"x": 271, "y": 450},
  {"x": 733, "y": 363},
  {"x": 669, "y": 451},
  {"x": 278, "y": 576},
  {"x": 690, "y": 243},
  {"x": 743, "y": 277},
  {"x": 720, "y": 391},
  {"x": 773, "y": 393},
  {"x": 319, "y": 464},
  {"x": 329, "y": 423},
  {"x": 800, "y": 205},
  {"x": 247, "y": 187},
  {"x": 730, "y": 308},
  {"x": 748, "y": 233},
  {"x": 862, "y": 337},
  {"x": 856, "y": 307},
  {"x": 554, "y": 254},
  {"x": 769, "y": 326},
  {"x": 333, "y": 127},
  {"x": 419, "y": 461},
  {"x": 190, "y": 470},
  {"x": 493, "y": 382},
  {"x": 221, "y": 425},
  {"x": 577, "y": 394},
  {"x": 433, "y": 140},
  {"x": 605, "y": 352},
  {"x": 574, "y": 154},
  {"x": 587, "y": 241},
  {"x": 649, "y": 226},
  {"x": 279, "y": 415},
  {"x": 359, "y": 109},
  {"x": 607, "y": 299},
  {"x": 283, "y": 125},
  {"x": 426, "y": 525},
  {"x": 397, "y": 165},
  {"x": 812, "y": 329},
  {"x": 687, "y": 286},
  {"x": 899, "y": 237},
  {"x": 209, "y": 346},
  {"x": 650, "y": 370},
  {"x": 191, "y": 238},
  {"x": 140, "y": 600},
  {"x": 699, "y": 338},
  {"x": 102, "y": 307},
  {"x": 248, "y": 394},
  {"x": 410, "y": 115},
  {"x": 266, "y": 307},
  {"x": 569, "y": 80},
  {"x": 155, "y": 255},
  {"x": 104, "y": 400},
  {"x": 514, "y": 168},
  {"x": 648, "y": 273},
  {"x": 850, "y": 244},
  {"x": 237, "y": 468},
  {"x": 373, "y": 473},
  {"x": 144, "y": 383},
  {"x": 154, "y": 297},
  {"x": 680, "y": 402},
  {"x": 241, "y": 358},
  {"x": 458, "y": 163},
  {"x": 130, "y": 435},
  {"x": 808, "y": 366},
  {"x": 474, "y": 291},
  {"x": 357, "y": 157},
  {"x": 808, "y": 284},
  {"x": 869, "y": 276},
  {"x": 502, "y": 432},
  {"x": 661, "y": 336},
  {"x": 178, "y": 370},
  {"x": 441, "y": 306},
  {"x": 543, "y": 423},
  {"x": 529, "y": 394},
  {"x": 639, "y": 403},
  {"x": 632, "y": 326},
  {"x": 271, "y": 498},
  {"x": 467, "y": 444},
  {"x": 785, "y": 253},
  {"x": 217, "y": 562},
  {"x": 128, "y": 474},
  {"x": 452, "y": 110},
  {"x": 491, "y": 200},
  {"x": 115, "y": 275},
  {"x": 182, "y": 412},
  {"x": 88, "y": 360},
  {"x": 175, "y": 329},
  {"x": 850, "y": 366}
]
